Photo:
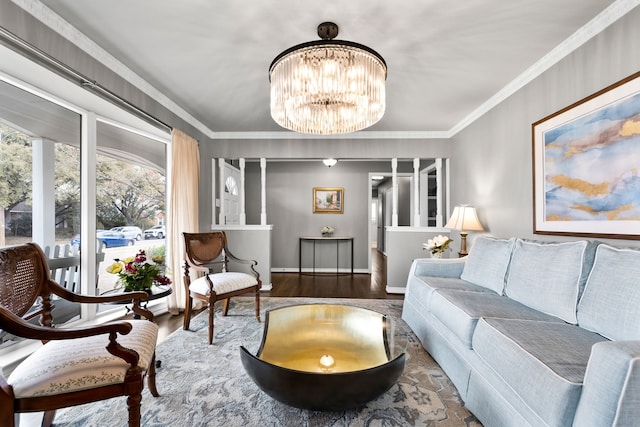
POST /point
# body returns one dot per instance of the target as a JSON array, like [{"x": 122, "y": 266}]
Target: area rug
[{"x": 203, "y": 385}]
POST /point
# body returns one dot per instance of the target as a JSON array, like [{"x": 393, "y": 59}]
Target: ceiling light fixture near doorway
[
  {"x": 327, "y": 86},
  {"x": 329, "y": 162}
]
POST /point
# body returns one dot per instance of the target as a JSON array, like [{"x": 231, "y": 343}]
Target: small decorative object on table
[
  {"x": 137, "y": 274},
  {"x": 327, "y": 231},
  {"x": 437, "y": 245}
]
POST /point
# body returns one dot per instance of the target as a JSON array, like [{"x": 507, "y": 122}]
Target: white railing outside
[{"x": 64, "y": 263}]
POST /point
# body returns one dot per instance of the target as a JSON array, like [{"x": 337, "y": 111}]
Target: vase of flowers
[
  {"x": 437, "y": 245},
  {"x": 138, "y": 274},
  {"x": 327, "y": 231}
]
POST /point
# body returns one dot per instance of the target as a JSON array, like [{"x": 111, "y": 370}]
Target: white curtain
[{"x": 183, "y": 209}]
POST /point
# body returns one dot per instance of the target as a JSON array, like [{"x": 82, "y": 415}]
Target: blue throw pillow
[
  {"x": 610, "y": 305},
  {"x": 487, "y": 263},
  {"x": 549, "y": 277}
]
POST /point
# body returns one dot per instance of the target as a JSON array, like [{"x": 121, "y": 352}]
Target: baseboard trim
[
  {"x": 319, "y": 270},
  {"x": 395, "y": 290},
  {"x": 266, "y": 288}
]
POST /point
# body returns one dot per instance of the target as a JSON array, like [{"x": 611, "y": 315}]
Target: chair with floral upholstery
[
  {"x": 208, "y": 253},
  {"x": 74, "y": 365}
]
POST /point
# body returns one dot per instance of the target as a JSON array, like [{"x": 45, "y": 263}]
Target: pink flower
[
  {"x": 163, "y": 280},
  {"x": 141, "y": 257}
]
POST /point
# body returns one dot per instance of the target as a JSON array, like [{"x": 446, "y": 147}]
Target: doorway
[{"x": 381, "y": 203}]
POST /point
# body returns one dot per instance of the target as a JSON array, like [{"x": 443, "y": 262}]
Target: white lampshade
[
  {"x": 464, "y": 218},
  {"x": 329, "y": 162}
]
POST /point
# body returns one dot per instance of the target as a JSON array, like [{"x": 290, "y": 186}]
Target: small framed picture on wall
[{"x": 328, "y": 200}]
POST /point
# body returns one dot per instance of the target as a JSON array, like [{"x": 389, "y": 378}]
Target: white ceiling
[{"x": 211, "y": 58}]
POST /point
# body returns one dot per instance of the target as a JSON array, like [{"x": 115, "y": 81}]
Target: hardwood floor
[{"x": 314, "y": 286}]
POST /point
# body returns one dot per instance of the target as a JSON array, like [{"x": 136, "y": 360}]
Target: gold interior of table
[{"x": 297, "y": 337}]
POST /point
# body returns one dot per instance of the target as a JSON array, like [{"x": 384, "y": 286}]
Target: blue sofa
[{"x": 533, "y": 333}]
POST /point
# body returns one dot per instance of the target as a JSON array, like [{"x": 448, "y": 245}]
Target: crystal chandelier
[{"x": 327, "y": 86}]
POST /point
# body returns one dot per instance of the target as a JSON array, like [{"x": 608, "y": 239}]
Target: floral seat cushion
[
  {"x": 224, "y": 282},
  {"x": 81, "y": 364}
]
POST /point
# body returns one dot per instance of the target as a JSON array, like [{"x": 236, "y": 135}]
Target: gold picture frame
[{"x": 328, "y": 200}]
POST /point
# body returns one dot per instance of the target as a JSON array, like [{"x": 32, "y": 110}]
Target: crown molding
[
  {"x": 356, "y": 135},
  {"x": 607, "y": 17}
]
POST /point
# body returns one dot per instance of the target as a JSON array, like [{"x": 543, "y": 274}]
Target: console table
[{"x": 315, "y": 239}]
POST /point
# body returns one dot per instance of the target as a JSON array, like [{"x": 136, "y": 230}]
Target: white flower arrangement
[
  {"x": 438, "y": 244},
  {"x": 327, "y": 230}
]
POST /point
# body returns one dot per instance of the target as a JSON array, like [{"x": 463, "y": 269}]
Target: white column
[
  {"x": 416, "y": 192},
  {"x": 214, "y": 202},
  {"x": 440, "y": 217},
  {"x": 263, "y": 191},
  {"x": 43, "y": 201},
  {"x": 221, "y": 218},
  {"x": 88, "y": 243},
  {"x": 394, "y": 184},
  {"x": 447, "y": 186},
  {"x": 243, "y": 214}
]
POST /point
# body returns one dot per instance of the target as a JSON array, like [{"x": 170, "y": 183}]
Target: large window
[
  {"x": 130, "y": 197},
  {"x": 43, "y": 191},
  {"x": 40, "y": 183}
]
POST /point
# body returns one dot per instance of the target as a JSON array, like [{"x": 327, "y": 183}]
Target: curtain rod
[{"x": 16, "y": 43}]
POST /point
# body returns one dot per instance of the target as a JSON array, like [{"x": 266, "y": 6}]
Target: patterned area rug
[{"x": 202, "y": 385}]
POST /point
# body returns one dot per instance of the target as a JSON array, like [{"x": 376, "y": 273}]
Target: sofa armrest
[
  {"x": 611, "y": 391},
  {"x": 434, "y": 267}
]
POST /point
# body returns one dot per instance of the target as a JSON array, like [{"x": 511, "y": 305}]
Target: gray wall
[
  {"x": 289, "y": 207},
  {"x": 492, "y": 158}
]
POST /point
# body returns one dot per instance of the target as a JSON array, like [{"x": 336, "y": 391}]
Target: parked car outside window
[
  {"x": 112, "y": 239},
  {"x": 109, "y": 239},
  {"x": 129, "y": 232},
  {"x": 155, "y": 232},
  {"x": 75, "y": 240}
]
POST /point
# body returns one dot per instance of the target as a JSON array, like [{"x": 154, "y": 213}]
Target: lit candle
[{"x": 326, "y": 362}]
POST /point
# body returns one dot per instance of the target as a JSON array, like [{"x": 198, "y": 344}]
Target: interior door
[
  {"x": 375, "y": 224},
  {"x": 232, "y": 192}
]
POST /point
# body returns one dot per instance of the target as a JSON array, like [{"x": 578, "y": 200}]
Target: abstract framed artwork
[
  {"x": 328, "y": 200},
  {"x": 586, "y": 166}
]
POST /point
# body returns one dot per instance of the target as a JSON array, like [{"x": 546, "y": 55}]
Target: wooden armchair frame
[
  {"x": 208, "y": 253},
  {"x": 25, "y": 284}
]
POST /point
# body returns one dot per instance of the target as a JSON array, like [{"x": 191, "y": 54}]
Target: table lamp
[{"x": 464, "y": 218}]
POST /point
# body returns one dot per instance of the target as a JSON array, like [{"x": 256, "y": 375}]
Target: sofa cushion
[
  {"x": 543, "y": 362},
  {"x": 487, "y": 263},
  {"x": 549, "y": 276},
  {"x": 611, "y": 389},
  {"x": 609, "y": 305},
  {"x": 459, "y": 311}
]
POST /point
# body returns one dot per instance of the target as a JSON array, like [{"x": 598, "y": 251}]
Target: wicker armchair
[{"x": 74, "y": 365}]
